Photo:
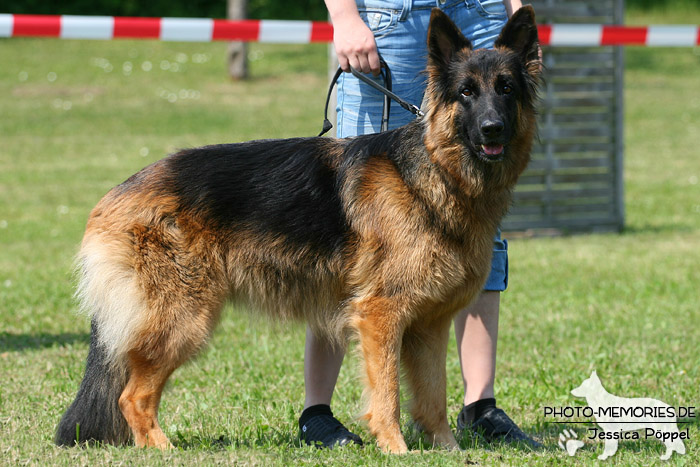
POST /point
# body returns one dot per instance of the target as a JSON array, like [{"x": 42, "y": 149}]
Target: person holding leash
[{"x": 397, "y": 29}]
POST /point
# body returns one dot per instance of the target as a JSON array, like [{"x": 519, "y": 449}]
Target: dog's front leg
[
  {"x": 377, "y": 322},
  {"x": 423, "y": 356}
]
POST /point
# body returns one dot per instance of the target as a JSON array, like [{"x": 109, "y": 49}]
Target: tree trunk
[{"x": 237, "y": 53}]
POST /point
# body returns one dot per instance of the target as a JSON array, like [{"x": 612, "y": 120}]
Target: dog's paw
[{"x": 569, "y": 443}]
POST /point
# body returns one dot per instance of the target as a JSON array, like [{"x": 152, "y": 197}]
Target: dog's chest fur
[{"x": 406, "y": 210}]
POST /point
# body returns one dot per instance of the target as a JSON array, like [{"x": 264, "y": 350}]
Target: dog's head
[
  {"x": 484, "y": 100},
  {"x": 589, "y": 387}
]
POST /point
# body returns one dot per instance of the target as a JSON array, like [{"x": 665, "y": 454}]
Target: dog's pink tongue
[{"x": 493, "y": 149}]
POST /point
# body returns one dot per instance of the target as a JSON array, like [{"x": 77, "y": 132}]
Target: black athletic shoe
[
  {"x": 494, "y": 425},
  {"x": 323, "y": 430}
]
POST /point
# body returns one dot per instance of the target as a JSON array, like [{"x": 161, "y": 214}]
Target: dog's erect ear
[
  {"x": 444, "y": 39},
  {"x": 520, "y": 34}
]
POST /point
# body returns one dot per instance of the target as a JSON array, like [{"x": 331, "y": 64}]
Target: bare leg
[
  {"x": 476, "y": 330},
  {"x": 322, "y": 362}
]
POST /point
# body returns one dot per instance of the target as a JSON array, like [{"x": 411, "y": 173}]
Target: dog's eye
[
  {"x": 466, "y": 92},
  {"x": 506, "y": 89}
]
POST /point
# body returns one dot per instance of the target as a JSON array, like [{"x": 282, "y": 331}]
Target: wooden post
[
  {"x": 237, "y": 53},
  {"x": 619, "y": 186}
]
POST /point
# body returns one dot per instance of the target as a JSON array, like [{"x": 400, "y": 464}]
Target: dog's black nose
[{"x": 492, "y": 128}]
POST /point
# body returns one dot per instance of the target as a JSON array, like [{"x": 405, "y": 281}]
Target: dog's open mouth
[{"x": 492, "y": 152}]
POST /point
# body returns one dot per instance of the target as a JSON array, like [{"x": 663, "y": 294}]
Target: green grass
[{"x": 626, "y": 305}]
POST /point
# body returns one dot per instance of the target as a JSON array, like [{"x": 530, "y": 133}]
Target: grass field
[{"x": 76, "y": 118}]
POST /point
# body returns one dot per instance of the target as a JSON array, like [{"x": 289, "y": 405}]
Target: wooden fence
[{"x": 574, "y": 182}]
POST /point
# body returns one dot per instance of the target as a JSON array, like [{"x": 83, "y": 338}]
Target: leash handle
[{"x": 388, "y": 94}]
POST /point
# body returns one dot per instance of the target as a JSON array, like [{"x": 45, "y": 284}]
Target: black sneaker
[
  {"x": 323, "y": 430},
  {"x": 494, "y": 425}
]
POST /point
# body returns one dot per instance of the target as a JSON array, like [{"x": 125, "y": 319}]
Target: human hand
[{"x": 354, "y": 45}]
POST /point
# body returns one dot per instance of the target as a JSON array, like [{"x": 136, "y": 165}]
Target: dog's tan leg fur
[
  {"x": 423, "y": 355},
  {"x": 164, "y": 348},
  {"x": 380, "y": 341},
  {"x": 140, "y": 399}
]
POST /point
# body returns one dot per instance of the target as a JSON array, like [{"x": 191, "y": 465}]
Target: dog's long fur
[{"x": 385, "y": 236}]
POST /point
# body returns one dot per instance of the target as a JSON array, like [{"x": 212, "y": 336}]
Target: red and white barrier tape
[
  {"x": 206, "y": 30},
  {"x": 166, "y": 29},
  {"x": 591, "y": 35}
]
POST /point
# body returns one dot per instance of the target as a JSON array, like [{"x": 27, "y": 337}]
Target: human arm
[{"x": 512, "y": 6}]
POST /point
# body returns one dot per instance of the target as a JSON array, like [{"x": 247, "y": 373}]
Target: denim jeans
[{"x": 400, "y": 29}]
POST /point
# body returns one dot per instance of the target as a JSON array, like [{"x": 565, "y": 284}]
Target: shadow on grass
[
  {"x": 19, "y": 342},
  {"x": 475, "y": 441}
]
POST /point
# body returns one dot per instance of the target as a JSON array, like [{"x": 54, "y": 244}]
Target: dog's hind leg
[
  {"x": 380, "y": 332},
  {"x": 423, "y": 355},
  {"x": 184, "y": 292},
  {"x": 169, "y": 340},
  {"x": 163, "y": 346},
  {"x": 140, "y": 400}
]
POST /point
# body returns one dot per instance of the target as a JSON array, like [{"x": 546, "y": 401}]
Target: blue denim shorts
[{"x": 400, "y": 29}]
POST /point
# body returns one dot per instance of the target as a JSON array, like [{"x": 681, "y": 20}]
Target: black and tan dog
[{"x": 383, "y": 236}]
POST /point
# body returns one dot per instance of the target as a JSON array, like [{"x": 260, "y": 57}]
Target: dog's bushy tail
[{"x": 94, "y": 415}]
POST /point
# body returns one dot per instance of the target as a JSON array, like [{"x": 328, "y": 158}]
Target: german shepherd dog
[{"x": 384, "y": 237}]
